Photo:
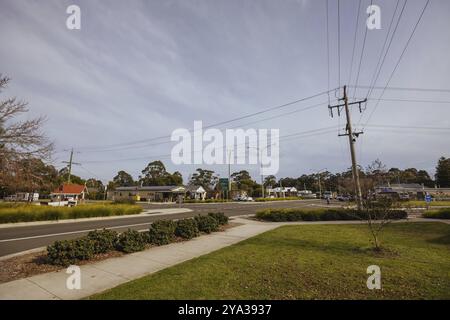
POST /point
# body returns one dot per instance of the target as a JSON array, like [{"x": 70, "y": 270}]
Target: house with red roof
[{"x": 69, "y": 191}]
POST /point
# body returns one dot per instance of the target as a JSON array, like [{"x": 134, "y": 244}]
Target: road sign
[
  {"x": 223, "y": 182},
  {"x": 428, "y": 198}
]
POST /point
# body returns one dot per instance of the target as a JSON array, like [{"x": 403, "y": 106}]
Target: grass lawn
[
  {"x": 422, "y": 204},
  {"x": 309, "y": 262}
]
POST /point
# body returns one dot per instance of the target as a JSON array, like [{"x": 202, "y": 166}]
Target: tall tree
[
  {"x": 443, "y": 172},
  {"x": 270, "y": 181},
  {"x": 244, "y": 182},
  {"x": 63, "y": 175},
  {"x": 205, "y": 178},
  {"x": 20, "y": 141},
  {"x": 155, "y": 174},
  {"x": 123, "y": 179}
]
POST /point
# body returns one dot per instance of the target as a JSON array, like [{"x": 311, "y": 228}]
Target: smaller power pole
[
  {"x": 70, "y": 163},
  {"x": 351, "y": 139}
]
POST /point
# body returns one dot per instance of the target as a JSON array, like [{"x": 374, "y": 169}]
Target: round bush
[
  {"x": 186, "y": 228},
  {"x": 130, "y": 241},
  {"x": 220, "y": 217},
  {"x": 67, "y": 252},
  {"x": 103, "y": 240},
  {"x": 206, "y": 224},
  {"x": 161, "y": 232}
]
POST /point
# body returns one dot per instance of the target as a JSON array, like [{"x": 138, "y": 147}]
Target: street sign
[
  {"x": 223, "y": 182},
  {"x": 428, "y": 198}
]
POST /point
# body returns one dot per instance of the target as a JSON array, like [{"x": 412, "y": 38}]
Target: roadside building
[
  {"x": 281, "y": 192},
  {"x": 411, "y": 191},
  {"x": 77, "y": 192},
  {"x": 147, "y": 193},
  {"x": 196, "y": 192}
]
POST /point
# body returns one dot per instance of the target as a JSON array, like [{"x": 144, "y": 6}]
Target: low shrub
[
  {"x": 443, "y": 213},
  {"x": 186, "y": 229},
  {"x": 130, "y": 241},
  {"x": 207, "y": 224},
  {"x": 220, "y": 217},
  {"x": 161, "y": 232},
  {"x": 281, "y": 215},
  {"x": 67, "y": 252},
  {"x": 103, "y": 240}
]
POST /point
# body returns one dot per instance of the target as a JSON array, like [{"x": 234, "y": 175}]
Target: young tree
[
  {"x": 20, "y": 141},
  {"x": 377, "y": 214}
]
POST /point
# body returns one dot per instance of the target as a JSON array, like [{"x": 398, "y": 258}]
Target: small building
[
  {"x": 196, "y": 192},
  {"x": 281, "y": 192},
  {"x": 77, "y": 192},
  {"x": 147, "y": 193}
]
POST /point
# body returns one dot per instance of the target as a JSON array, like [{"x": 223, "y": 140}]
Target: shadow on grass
[
  {"x": 335, "y": 247},
  {"x": 445, "y": 239}
]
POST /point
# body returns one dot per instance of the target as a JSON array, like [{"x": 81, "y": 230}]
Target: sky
[{"x": 138, "y": 70}]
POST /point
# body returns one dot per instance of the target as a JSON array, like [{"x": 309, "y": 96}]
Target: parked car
[
  {"x": 403, "y": 196},
  {"x": 327, "y": 195},
  {"x": 343, "y": 198}
]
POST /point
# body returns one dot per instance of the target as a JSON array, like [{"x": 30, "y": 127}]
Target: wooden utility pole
[
  {"x": 351, "y": 139},
  {"x": 70, "y": 163}
]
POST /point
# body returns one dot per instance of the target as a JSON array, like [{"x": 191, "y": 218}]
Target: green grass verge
[
  {"x": 309, "y": 262},
  {"x": 27, "y": 213},
  {"x": 443, "y": 213}
]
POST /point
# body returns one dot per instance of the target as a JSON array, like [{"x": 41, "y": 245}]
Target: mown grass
[
  {"x": 309, "y": 262},
  {"x": 27, "y": 213},
  {"x": 422, "y": 204}
]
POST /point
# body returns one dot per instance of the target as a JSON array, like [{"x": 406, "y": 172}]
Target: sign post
[
  {"x": 223, "y": 182},
  {"x": 428, "y": 200}
]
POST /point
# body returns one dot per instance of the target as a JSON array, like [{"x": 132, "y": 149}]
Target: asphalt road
[{"x": 17, "y": 239}]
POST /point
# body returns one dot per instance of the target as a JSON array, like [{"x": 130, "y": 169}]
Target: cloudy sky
[{"x": 137, "y": 70}]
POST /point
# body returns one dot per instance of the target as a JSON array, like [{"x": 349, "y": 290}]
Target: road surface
[{"x": 18, "y": 239}]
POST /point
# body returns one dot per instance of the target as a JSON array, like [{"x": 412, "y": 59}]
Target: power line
[
  {"x": 313, "y": 131},
  {"x": 339, "y": 42},
  {"x": 402, "y": 89},
  {"x": 399, "y": 60},
  {"x": 354, "y": 41},
  {"x": 215, "y": 124},
  {"x": 412, "y": 100},
  {"x": 382, "y": 58},
  {"x": 361, "y": 57},
  {"x": 328, "y": 53},
  {"x": 408, "y": 127},
  {"x": 241, "y": 125}
]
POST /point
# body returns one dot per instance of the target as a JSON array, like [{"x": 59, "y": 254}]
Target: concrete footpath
[{"x": 103, "y": 275}]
